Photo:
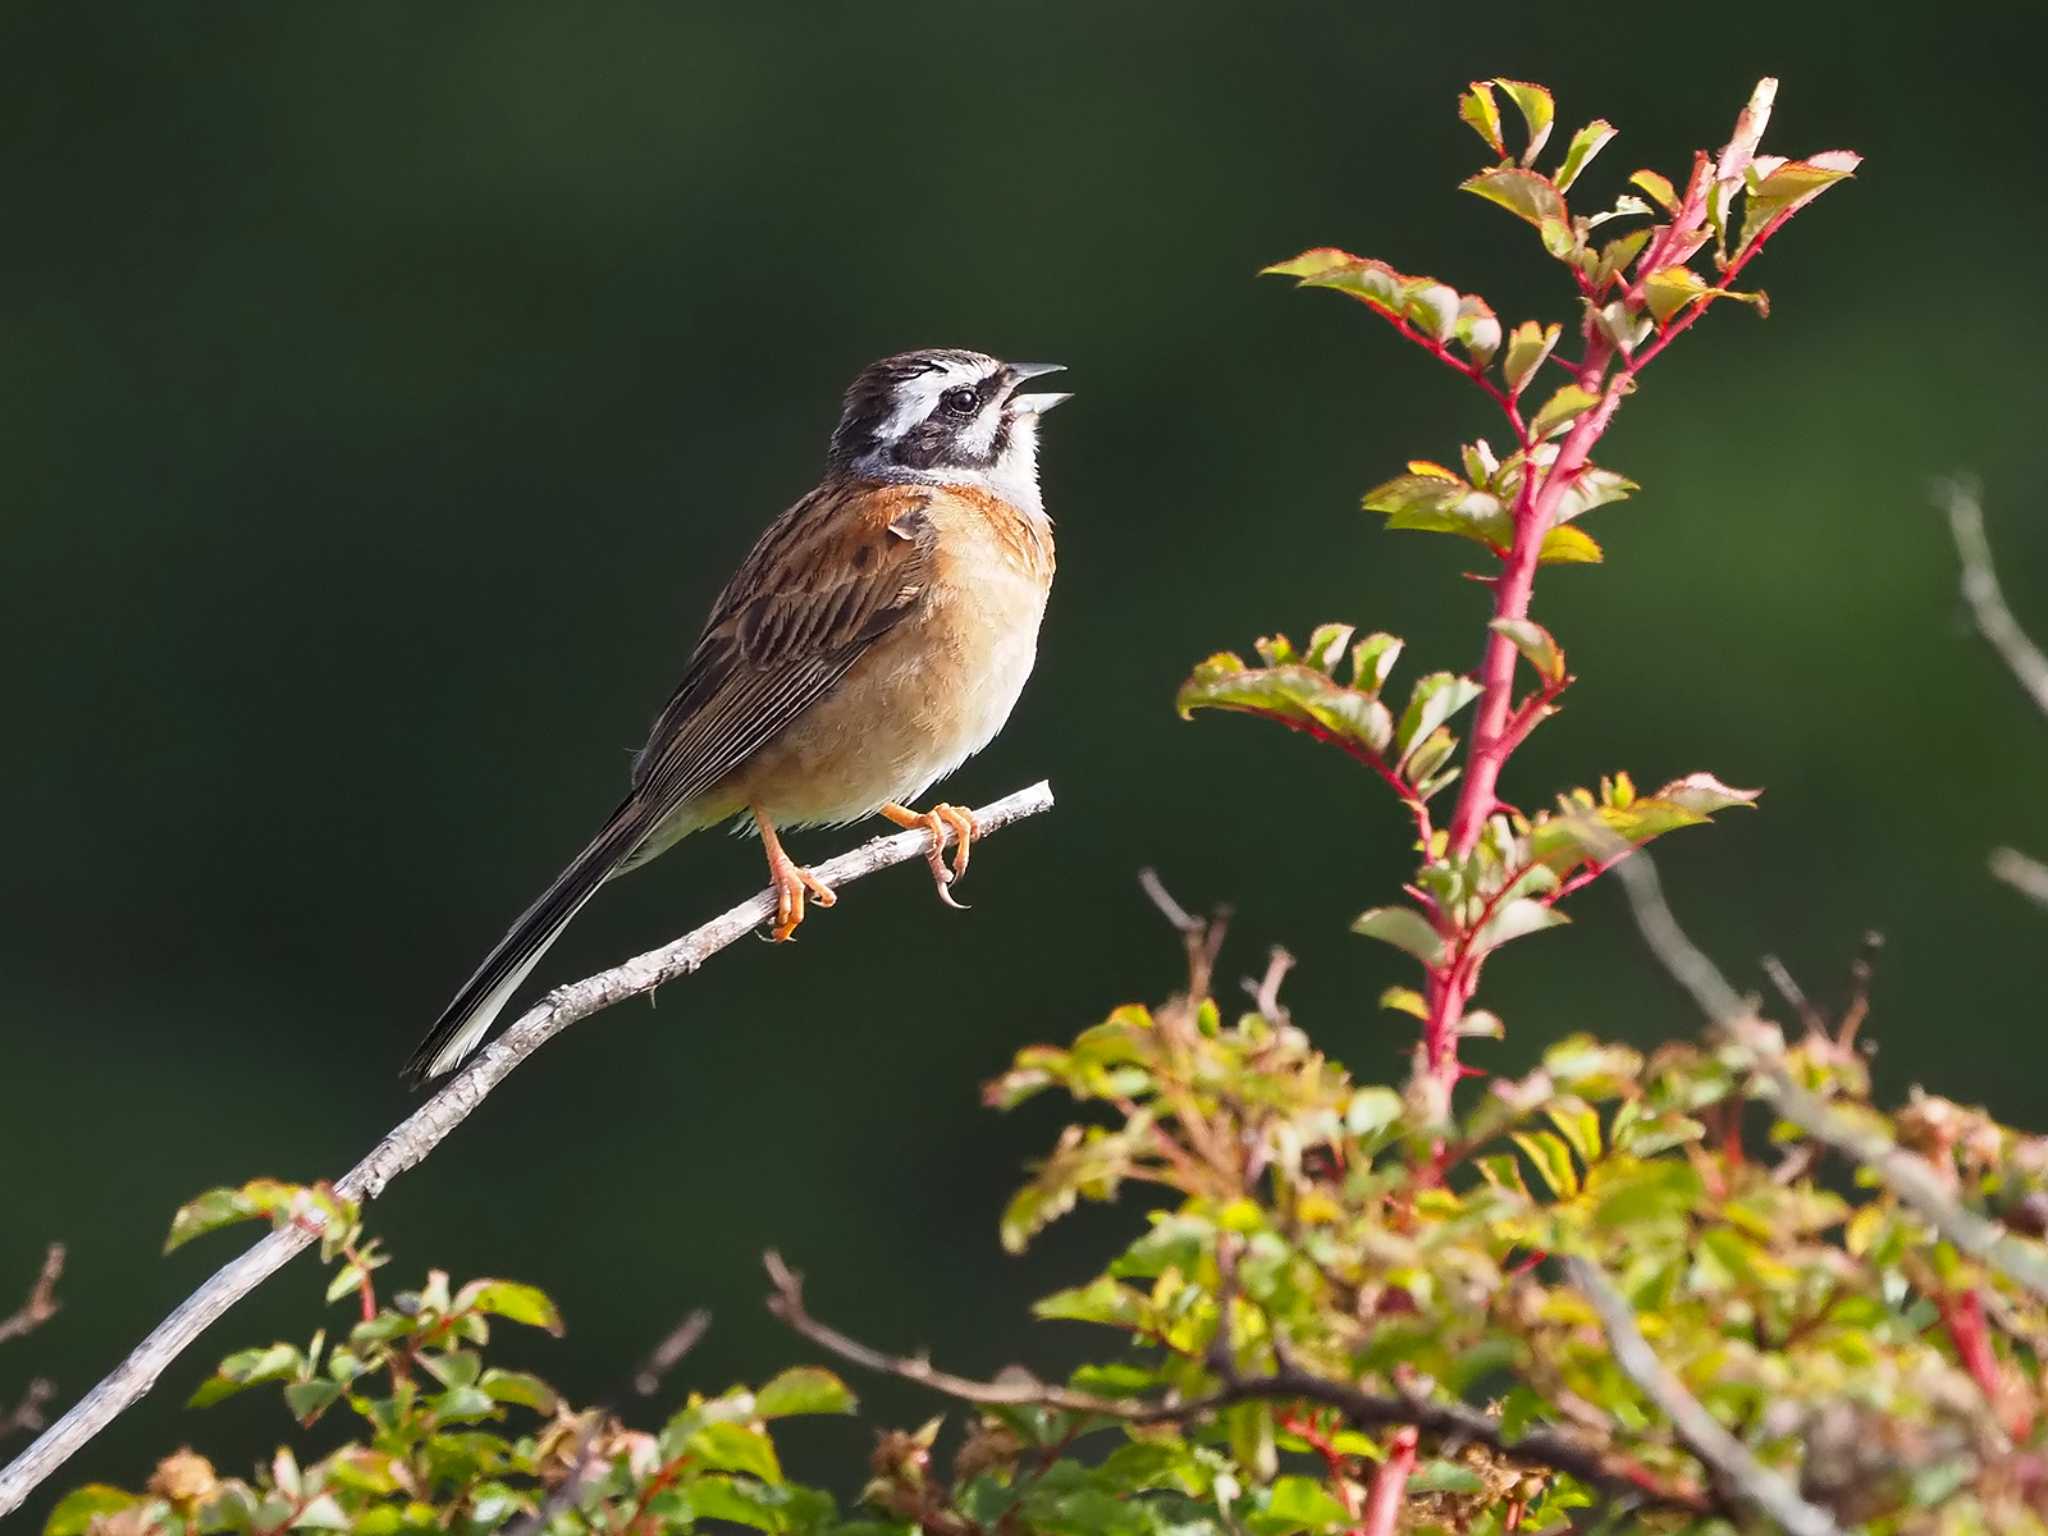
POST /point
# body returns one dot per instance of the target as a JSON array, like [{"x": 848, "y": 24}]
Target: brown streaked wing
[{"x": 837, "y": 570}]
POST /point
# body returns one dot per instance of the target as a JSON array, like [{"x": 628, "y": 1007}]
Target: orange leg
[
  {"x": 939, "y": 820},
  {"x": 791, "y": 880}
]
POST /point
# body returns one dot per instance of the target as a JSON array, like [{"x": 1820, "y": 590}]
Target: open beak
[{"x": 1034, "y": 405}]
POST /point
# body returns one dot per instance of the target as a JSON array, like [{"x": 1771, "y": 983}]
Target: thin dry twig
[
  {"x": 1962, "y": 500},
  {"x": 1744, "y": 1477},
  {"x": 26, "y": 1416},
  {"x": 42, "y": 1303},
  {"x": 1455, "y": 1421},
  {"x": 417, "y": 1136},
  {"x": 1906, "y": 1175}
]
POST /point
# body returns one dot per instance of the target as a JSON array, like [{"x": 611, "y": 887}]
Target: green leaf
[
  {"x": 1445, "y": 1477},
  {"x": 1579, "y": 1125},
  {"x": 1785, "y": 186},
  {"x": 1585, "y": 144},
  {"x": 1442, "y": 503},
  {"x": 1527, "y": 348},
  {"x": 1434, "y": 700},
  {"x": 1517, "y": 919},
  {"x": 1568, "y": 546},
  {"x": 77, "y": 1510},
  {"x": 247, "y": 1368},
  {"x": 1478, "y": 329},
  {"x": 1666, "y": 1187},
  {"x": 1659, "y": 188},
  {"x": 1296, "y": 1504},
  {"x": 528, "y": 1391},
  {"x": 1583, "y": 832},
  {"x": 1478, "y": 107},
  {"x": 730, "y": 1447},
  {"x": 1561, "y": 410},
  {"x": 1616, "y": 254},
  {"x": 1404, "y": 928},
  {"x": 1312, "y": 263},
  {"x": 1433, "y": 307},
  {"x": 321, "y": 1513},
  {"x": 269, "y": 1199},
  {"x": 1552, "y": 1160},
  {"x": 307, "y": 1400},
  {"x": 512, "y": 1301},
  {"x": 804, "y": 1389},
  {"x": 1102, "y": 1300},
  {"x": 1536, "y": 645},
  {"x": 1670, "y": 289},
  {"x": 1299, "y": 696},
  {"x": 462, "y": 1405},
  {"x": 1537, "y": 109},
  {"x": 1593, "y": 487},
  {"x": 1528, "y": 195},
  {"x": 1372, "y": 1110},
  {"x": 1404, "y": 1000},
  {"x": 1372, "y": 659},
  {"x": 1326, "y": 646}
]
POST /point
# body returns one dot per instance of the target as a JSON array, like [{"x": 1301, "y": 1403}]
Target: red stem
[{"x": 1390, "y": 1487}]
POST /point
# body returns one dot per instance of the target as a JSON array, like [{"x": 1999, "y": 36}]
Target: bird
[{"x": 877, "y": 635}]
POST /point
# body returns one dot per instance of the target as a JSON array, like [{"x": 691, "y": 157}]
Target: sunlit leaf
[
  {"x": 1404, "y": 928},
  {"x": 1295, "y": 695},
  {"x": 1434, "y": 700},
  {"x": 1432, "y": 503},
  {"x": 1527, "y": 348},
  {"x": 1526, "y": 194},
  {"x": 1561, "y": 410},
  {"x": 1569, "y": 546},
  {"x": 1537, "y": 109},
  {"x": 508, "y": 1299},
  {"x": 1552, "y": 1160},
  {"x": 1479, "y": 108},
  {"x": 1536, "y": 645},
  {"x": 1659, "y": 188},
  {"x": 1517, "y": 919},
  {"x": 1585, "y": 144},
  {"x": 1786, "y": 187},
  {"x": 1592, "y": 487}
]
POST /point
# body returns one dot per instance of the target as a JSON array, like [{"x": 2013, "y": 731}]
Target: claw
[
  {"x": 940, "y": 820},
  {"x": 791, "y": 881}
]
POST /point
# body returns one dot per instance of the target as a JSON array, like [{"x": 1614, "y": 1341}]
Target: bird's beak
[{"x": 1034, "y": 405}]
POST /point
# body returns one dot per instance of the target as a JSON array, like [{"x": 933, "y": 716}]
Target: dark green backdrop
[{"x": 384, "y": 391}]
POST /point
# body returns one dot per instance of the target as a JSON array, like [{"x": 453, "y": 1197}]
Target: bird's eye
[{"x": 961, "y": 401}]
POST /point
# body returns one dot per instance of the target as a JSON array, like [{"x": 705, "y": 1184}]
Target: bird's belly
[{"x": 924, "y": 699}]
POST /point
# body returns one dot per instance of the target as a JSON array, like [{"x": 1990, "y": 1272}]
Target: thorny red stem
[
  {"x": 1390, "y": 1487},
  {"x": 1305, "y": 1426}
]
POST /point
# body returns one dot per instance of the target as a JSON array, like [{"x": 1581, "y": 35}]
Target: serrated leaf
[
  {"x": 1433, "y": 307},
  {"x": 1659, "y": 187},
  {"x": 1585, "y": 144},
  {"x": 1616, "y": 254},
  {"x": 1299, "y": 696},
  {"x": 730, "y": 1447},
  {"x": 1552, "y": 1159},
  {"x": 1593, "y": 487},
  {"x": 804, "y": 1389},
  {"x": 1527, "y": 348},
  {"x": 1478, "y": 329},
  {"x": 268, "y": 1199},
  {"x": 1517, "y": 919},
  {"x": 1528, "y": 195},
  {"x": 1372, "y": 659},
  {"x": 307, "y": 1400},
  {"x": 1538, "y": 111},
  {"x": 1312, "y": 263},
  {"x": 1404, "y": 928},
  {"x": 517, "y": 1303},
  {"x": 1568, "y": 546},
  {"x": 1790, "y": 186},
  {"x": 1561, "y": 410},
  {"x": 1435, "y": 699},
  {"x": 1478, "y": 107},
  {"x": 1536, "y": 645},
  {"x": 520, "y": 1387},
  {"x": 1432, "y": 503},
  {"x": 1670, "y": 289},
  {"x": 1326, "y": 646},
  {"x": 1704, "y": 794}
]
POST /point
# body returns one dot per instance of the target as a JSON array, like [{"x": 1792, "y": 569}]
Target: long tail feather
[{"x": 466, "y": 1019}]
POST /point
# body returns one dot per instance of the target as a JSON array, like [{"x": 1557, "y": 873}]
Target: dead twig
[{"x": 42, "y": 1303}]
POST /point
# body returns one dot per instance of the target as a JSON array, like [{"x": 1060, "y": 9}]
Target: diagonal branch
[
  {"x": 1589, "y": 1462},
  {"x": 1741, "y": 1473},
  {"x": 417, "y": 1136},
  {"x": 1908, "y": 1176}
]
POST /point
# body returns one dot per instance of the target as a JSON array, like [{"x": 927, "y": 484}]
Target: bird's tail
[{"x": 469, "y": 1015}]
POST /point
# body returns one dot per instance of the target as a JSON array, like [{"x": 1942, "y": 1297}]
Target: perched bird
[{"x": 877, "y": 635}]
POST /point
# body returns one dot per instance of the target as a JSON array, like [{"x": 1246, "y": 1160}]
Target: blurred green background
[{"x": 386, "y": 390}]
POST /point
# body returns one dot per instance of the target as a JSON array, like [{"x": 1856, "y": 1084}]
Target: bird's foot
[
  {"x": 791, "y": 881},
  {"x": 939, "y": 820}
]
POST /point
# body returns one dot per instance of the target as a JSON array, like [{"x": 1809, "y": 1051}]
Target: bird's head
[{"x": 948, "y": 417}]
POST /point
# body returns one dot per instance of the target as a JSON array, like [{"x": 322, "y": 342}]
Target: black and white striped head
[{"x": 947, "y": 417}]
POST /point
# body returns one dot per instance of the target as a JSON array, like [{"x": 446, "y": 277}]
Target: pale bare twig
[
  {"x": 2026, "y": 875},
  {"x": 1454, "y": 1421},
  {"x": 1906, "y": 1175},
  {"x": 1962, "y": 500},
  {"x": 42, "y": 1302},
  {"x": 1741, "y": 1474},
  {"x": 417, "y": 1136},
  {"x": 26, "y": 1416}
]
